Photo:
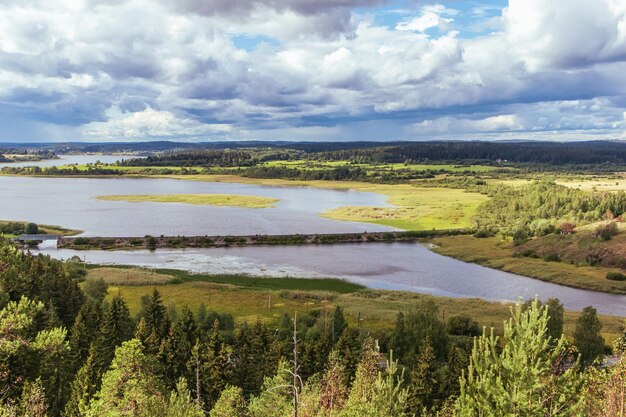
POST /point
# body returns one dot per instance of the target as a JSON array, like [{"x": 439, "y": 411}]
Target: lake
[
  {"x": 71, "y": 202},
  {"x": 67, "y": 160}
]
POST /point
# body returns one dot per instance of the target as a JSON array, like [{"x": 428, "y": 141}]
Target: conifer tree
[
  {"x": 180, "y": 403},
  {"x": 587, "y": 338},
  {"x": 230, "y": 404},
  {"x": 129, "y": 387},
  {"x": 526, "y": 378},
  {"x": 175, "y": 350},
  {"x": 116, "y": 327},
  {"x": 84, "y": 332},
  {"x": 338, "y": 324},
  {"x": 54, "y": 366},
  {"x": 275, "y": 398},
  {"x": 423, "y": 384},
  {"x": 83, "y": 390}
]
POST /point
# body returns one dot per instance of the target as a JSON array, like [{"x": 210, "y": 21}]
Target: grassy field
[
  {"x": 231, "y": 200},
  {"x": 267, "y": 299},
  {"x": 497, "y": 253},
  {"x": 417, "y": 208}
]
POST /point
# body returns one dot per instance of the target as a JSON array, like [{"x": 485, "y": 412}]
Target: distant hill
[{"x": 559, "y": 153}]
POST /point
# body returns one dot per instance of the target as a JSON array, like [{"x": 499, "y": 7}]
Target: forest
[
  {"x": 553, "y": 153},
  {"x": 540, "y": 207},
  {"x": 68, "y": 348}
]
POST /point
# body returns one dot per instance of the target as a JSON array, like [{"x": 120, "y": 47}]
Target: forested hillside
[
  {"x": 246, "y": 154},
  {"x": 68, "y": 350}
]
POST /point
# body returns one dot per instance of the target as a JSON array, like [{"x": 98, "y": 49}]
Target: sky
[{"x": 312, "y": 70}]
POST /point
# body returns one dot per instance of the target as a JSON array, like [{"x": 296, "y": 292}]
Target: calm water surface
[
  {"x": 397, "y": 266},
  {"x": 67, "y": 160},
  {"x": 71, "y": 202}
]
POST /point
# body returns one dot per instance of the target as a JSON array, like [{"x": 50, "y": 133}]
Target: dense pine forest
[{"x": 69, "y": 349}]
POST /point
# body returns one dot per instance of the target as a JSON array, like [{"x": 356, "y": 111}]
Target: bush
[
  {"x": 594, "y": 259},
  {"x": 551, "y": 257},
  {"x": 615, "y": 276},
  {"x": 462, "y": 326},
  {"x": 82, "y": 241},
  {"x": 529, "y": 253},
  {"x": 607, "y": 231},
  {"x": 483, "y": 233},
  {"x": 31, "y": 229}
]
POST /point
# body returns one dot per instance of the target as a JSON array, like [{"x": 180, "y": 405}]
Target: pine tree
[
  {"x": 155, "y": 315},
  {"x": 33, "y": 402},
  {"x": 555, "y": 318},
  {"x": 230, "y": 404},
  {"x": 374, "y": 393},
  {"x": 129, "y": 387},
  {"x": 334, "y": 388},
  {"x": 214, "y": 369},
  {"x": 275, "y": 398},
  {"x": 54, "y": 366},
  {"x": 526, "y": 378},
  {"x": 180, "y": 403}
]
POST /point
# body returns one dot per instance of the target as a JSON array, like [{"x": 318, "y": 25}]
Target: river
[{"x": 71, "y": 202}]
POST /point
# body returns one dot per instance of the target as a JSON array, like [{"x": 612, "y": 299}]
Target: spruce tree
[
  {"x": 116, "y": 328},
  {"x": 423, "y": 385},
  {"x": 587, "y": 338},
  {"x": 338, "y": 324},
  {"x": 83, "y": 390},
  {"x": 84, "y": 332}
]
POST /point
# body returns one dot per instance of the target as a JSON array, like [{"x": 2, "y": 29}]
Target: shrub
[
  {"x": 607, "y": 231},
  {"x": 482, "y": 233},
  {"x": 82, "y": 241},
  {"x": 594, "y": 259},
  {"x": 529, "y": 253},
  {"x": 552, "y": 257},
  {"x": 615, "y": 276}
]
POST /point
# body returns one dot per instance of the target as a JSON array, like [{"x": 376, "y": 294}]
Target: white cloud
[
  {"x": 325, "y": 71},
  {"x": 150, "y": 123},
  {"x": 431, "y": 16},
  {"x": 451, "y": 125},
  {"x": 566, "y": 33}
]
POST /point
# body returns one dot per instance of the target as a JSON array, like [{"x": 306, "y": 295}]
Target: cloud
[
  {"x": 150, "y": 123},
  {"x": 431, "y": 16},
  {"x": 326, "y": 69},
  {"x": 505, "y": 122},
  {"x": 566, "y": 33}
]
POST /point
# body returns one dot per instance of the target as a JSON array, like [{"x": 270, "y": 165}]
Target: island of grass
[
  {"x": 413, "y": 207},
  {"x": 230, "y": 200}
]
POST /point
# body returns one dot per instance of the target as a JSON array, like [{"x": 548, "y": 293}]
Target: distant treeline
[{"x": 483, "y": 152}]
